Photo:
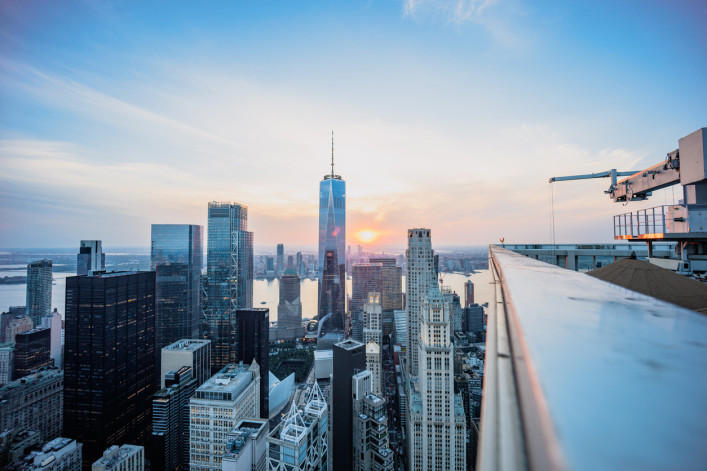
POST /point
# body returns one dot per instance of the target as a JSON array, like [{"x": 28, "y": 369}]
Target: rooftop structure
[
  {"x": 195, "y": 353},
  {"x": 123, "y": 458},
  {"x": 59, "y": 454},
  {"x": 245, "y": 446}
]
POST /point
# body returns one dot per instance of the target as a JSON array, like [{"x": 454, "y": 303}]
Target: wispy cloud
[{"x": 451, "y": 11}]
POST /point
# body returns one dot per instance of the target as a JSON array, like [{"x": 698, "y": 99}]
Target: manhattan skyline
[{"x": 449, "y": 115}]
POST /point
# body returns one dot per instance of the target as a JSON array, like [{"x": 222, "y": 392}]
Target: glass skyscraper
[
  {"x": 229, "y": 279},
  {"x": 332, "y": 259},
  {"x": 39, "y": 290},
  {"x": 177, "y": 255}
]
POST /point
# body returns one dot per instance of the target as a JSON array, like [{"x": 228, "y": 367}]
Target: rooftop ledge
[{"x": 584, "y": 375}]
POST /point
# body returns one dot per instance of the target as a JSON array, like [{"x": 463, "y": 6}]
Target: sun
[{"x": 366, "y": 236}]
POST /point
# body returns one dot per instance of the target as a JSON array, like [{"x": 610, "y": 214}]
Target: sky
[{"x": 450, "y": 115}]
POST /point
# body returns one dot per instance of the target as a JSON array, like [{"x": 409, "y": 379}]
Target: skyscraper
[
  {"x": 177, "y": 257},
  {"x": 253, "y": 327},
  {"x": 229, "y": 278},
  {"x": 349, "y": 359},
  {"x": 366, "y": 279},
  {"x": 468, "y": 293},
  {"x": 280, "y": 267},
  {"x": 289, "y": 310},
  {"x": 373, "y": 339},
  {"x": 109, "y": 359},
  {"x": 332, "y": 258},
  {"x": 370, "y": 427},
  {"x": 32, "y": 351},
  {"x": 437, "y": 428},
  {"x": 90, "y": 257},
  {"x": 421, "y": 276},
  {"x": 39, "y": 290},
  {"x": 391, "y": 291}
]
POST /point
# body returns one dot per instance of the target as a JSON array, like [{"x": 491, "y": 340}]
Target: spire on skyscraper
[{"x": 332, "y": 153}]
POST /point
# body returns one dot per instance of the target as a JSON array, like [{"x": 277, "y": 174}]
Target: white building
[
  {"x": 373, "y": 338},
  {"x": 194, "y": 353},
  {"x": 246, "y": 446},
  {"x": 370, "y": 427},
  {"x": 420, "y": 277},
  {"x": 124, "y": 458},
  {"x": 216, "y": 408},
  {"x": 55, "y": 324},
  {"x": 299, "y": 442},
  {"x": 323, "y": 364},
  {"x": 436, "y": 425}
]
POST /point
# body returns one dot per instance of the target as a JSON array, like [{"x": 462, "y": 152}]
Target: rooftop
[
  {"x": 188, "y": 345},
  {"x": 231, "y": 380},
  {"x": 349, "y": 344},
  {"x": 114, "y": 455}
]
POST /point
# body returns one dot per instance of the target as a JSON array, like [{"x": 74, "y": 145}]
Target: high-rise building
[
  {"x": 39, "y": 290},
  {"x": 123, "y": 458},
  {"x": 246, "y": 446},
  {"x": 15, "y": 325},
  {"x": 254, "y": 345},
  {"x": 216, "y": 407},
  {"x": 366, "y": 278},
  {"x": 436, "y": 425},
  {"x": 170, "y": 421},
  {"x": 32, "y": 351},
  {"x": 391, "y": 291},
  {"x": 177, "y": 257},
  {"x": 109, "y": 359},
  {"x": 421, "y": 276},
  {"x": 456, "y": 312},
  {"x": 280, "y": 267},
  {"x": 194, "y": 353},
  {"x": 302, "y": 434},
  {"x": 349, "y": 359},
  {"x": 229, "y": 278},
  {"x": 289, "y": 310},
  {"x": 474, "y": 318},
  {"x": 300, "y": 268},
  {"x": 373, "y": 339},
  {"x": 370, "y": 427},
  {"x": 56, "y": 325},
  {"x": 34, "y": 403},
  {"x": 90, "y": 257},
  {"x": 332, "y": 258},
  {"x": 468, "y": 293},
  {"x": 7, "y": 362}
]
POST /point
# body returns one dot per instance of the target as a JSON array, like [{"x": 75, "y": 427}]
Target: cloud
[{"x": 450, "y": 11}]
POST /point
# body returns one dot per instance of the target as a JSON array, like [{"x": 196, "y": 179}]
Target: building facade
[
  {"x": 34, "y": 403},
  {"x": 39, "y": 290},
  {"x": 15, "y": 325},
  {"x": 349, "y": 359},
  {"x": 436, "y": 426},
  {"x": 254, "y": 345},
  {"x": 421, "y": 276},
  {"x": 245, "y": 446},
  {"x": 32, "y": 352},
  {"x": 90, "y": 257},
  {"x": 56, "y": 326},
  {"x": 366, "y": 278},
  {"x": 289, "y": 309},
  {"x": 370, "y": 427},
  {"x": 216, "y": 408},
  {"x": 229, "y": 279},
  {"x": 373, "y": 339},
  {"x": 176, "y": 255},
  {"x": 109, "y": 359},
  {"x": 332, "y": 259},
  {"x": 7, "y": 362}
]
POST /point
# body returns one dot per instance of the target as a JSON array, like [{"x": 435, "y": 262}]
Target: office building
[
  {"x": 55, "y": 324},
  {"x": 176, "y": 255},
  {"x": 323, "y": 364},
  {"x": 170, "y": 421},
  {"x": 194, "y": 353},
  {"x": 39, "y": 290},
  {"x": 109, "y": 368},
  {"x": 34, "y": 402},
  {"x": 59, "y": 454},
  {"x": 332, "y": 259},
  {"x": 421, "y": 276},
  {"x": 15, "y": 325},
  {"x": 254, "y": 345},
  {"x": 217, "y": 406},
  {"x": 300, "y": 266},
  {"x": 123, "y": 458},
  {"x": 7, "y": 362},
  {"x": 400, "y": 327},
  {"x": 289, "y": 310},
  {"x": 370, "y": 427},
  {"x": 32, "y": 352},
  {"x": 366, "y": 279},
  {"x": 229, "y": 279},
  {"x": 474, "y": 318},
  {"x": 456, "y": 312},
  {"x": 245, "y": 446},
  {"x": 436, "y": 425},
  {"x": 373, "y": 339},
  {"x": 391, "y": 291},
  {"x": 280, "y": 267},
  {"x": 349, "y": 359},
  {"x": 90, "y": 258},
  {"x": 468, "y": 293},
  {"x": 302, "y": 434}
]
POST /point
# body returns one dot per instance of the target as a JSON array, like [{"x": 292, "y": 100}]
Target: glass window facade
[{"x": 332, "y": 257}]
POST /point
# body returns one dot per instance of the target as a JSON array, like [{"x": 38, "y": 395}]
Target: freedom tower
[{"x": 332, "y": 258}]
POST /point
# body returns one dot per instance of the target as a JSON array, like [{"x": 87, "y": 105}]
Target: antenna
[{"x": 332, "y": 153}]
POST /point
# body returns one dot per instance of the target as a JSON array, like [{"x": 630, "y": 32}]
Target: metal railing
[
  {"x": 642, "y": 223},
  {"x": 581, "y": 374}
]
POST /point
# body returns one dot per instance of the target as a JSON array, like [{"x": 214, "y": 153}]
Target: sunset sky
[{"x": 448, "y": 115}]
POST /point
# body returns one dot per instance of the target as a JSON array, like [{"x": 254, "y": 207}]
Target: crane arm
[{"x": 610, "y": 173}]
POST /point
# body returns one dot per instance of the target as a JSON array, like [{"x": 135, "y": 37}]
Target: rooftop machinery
[{"x": 685, "y": 222}]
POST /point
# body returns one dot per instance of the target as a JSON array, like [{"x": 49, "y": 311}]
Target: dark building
[
  {"x": 289, "y": 310},
  {"x": 90, "y": 257},
  {"x": 474, "y": 315},
  {"x": 349, "y": 359},
  {"x": 280, "y": 267},
  {"x": 254, "y": 344},
  {"x": 32, "y": 351},
  {"x": 177, "y": 255},
  {"x": 366, "y": 279},
  {"x": 109, "y": 355},
  {"x": 170, "y": 421}
]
